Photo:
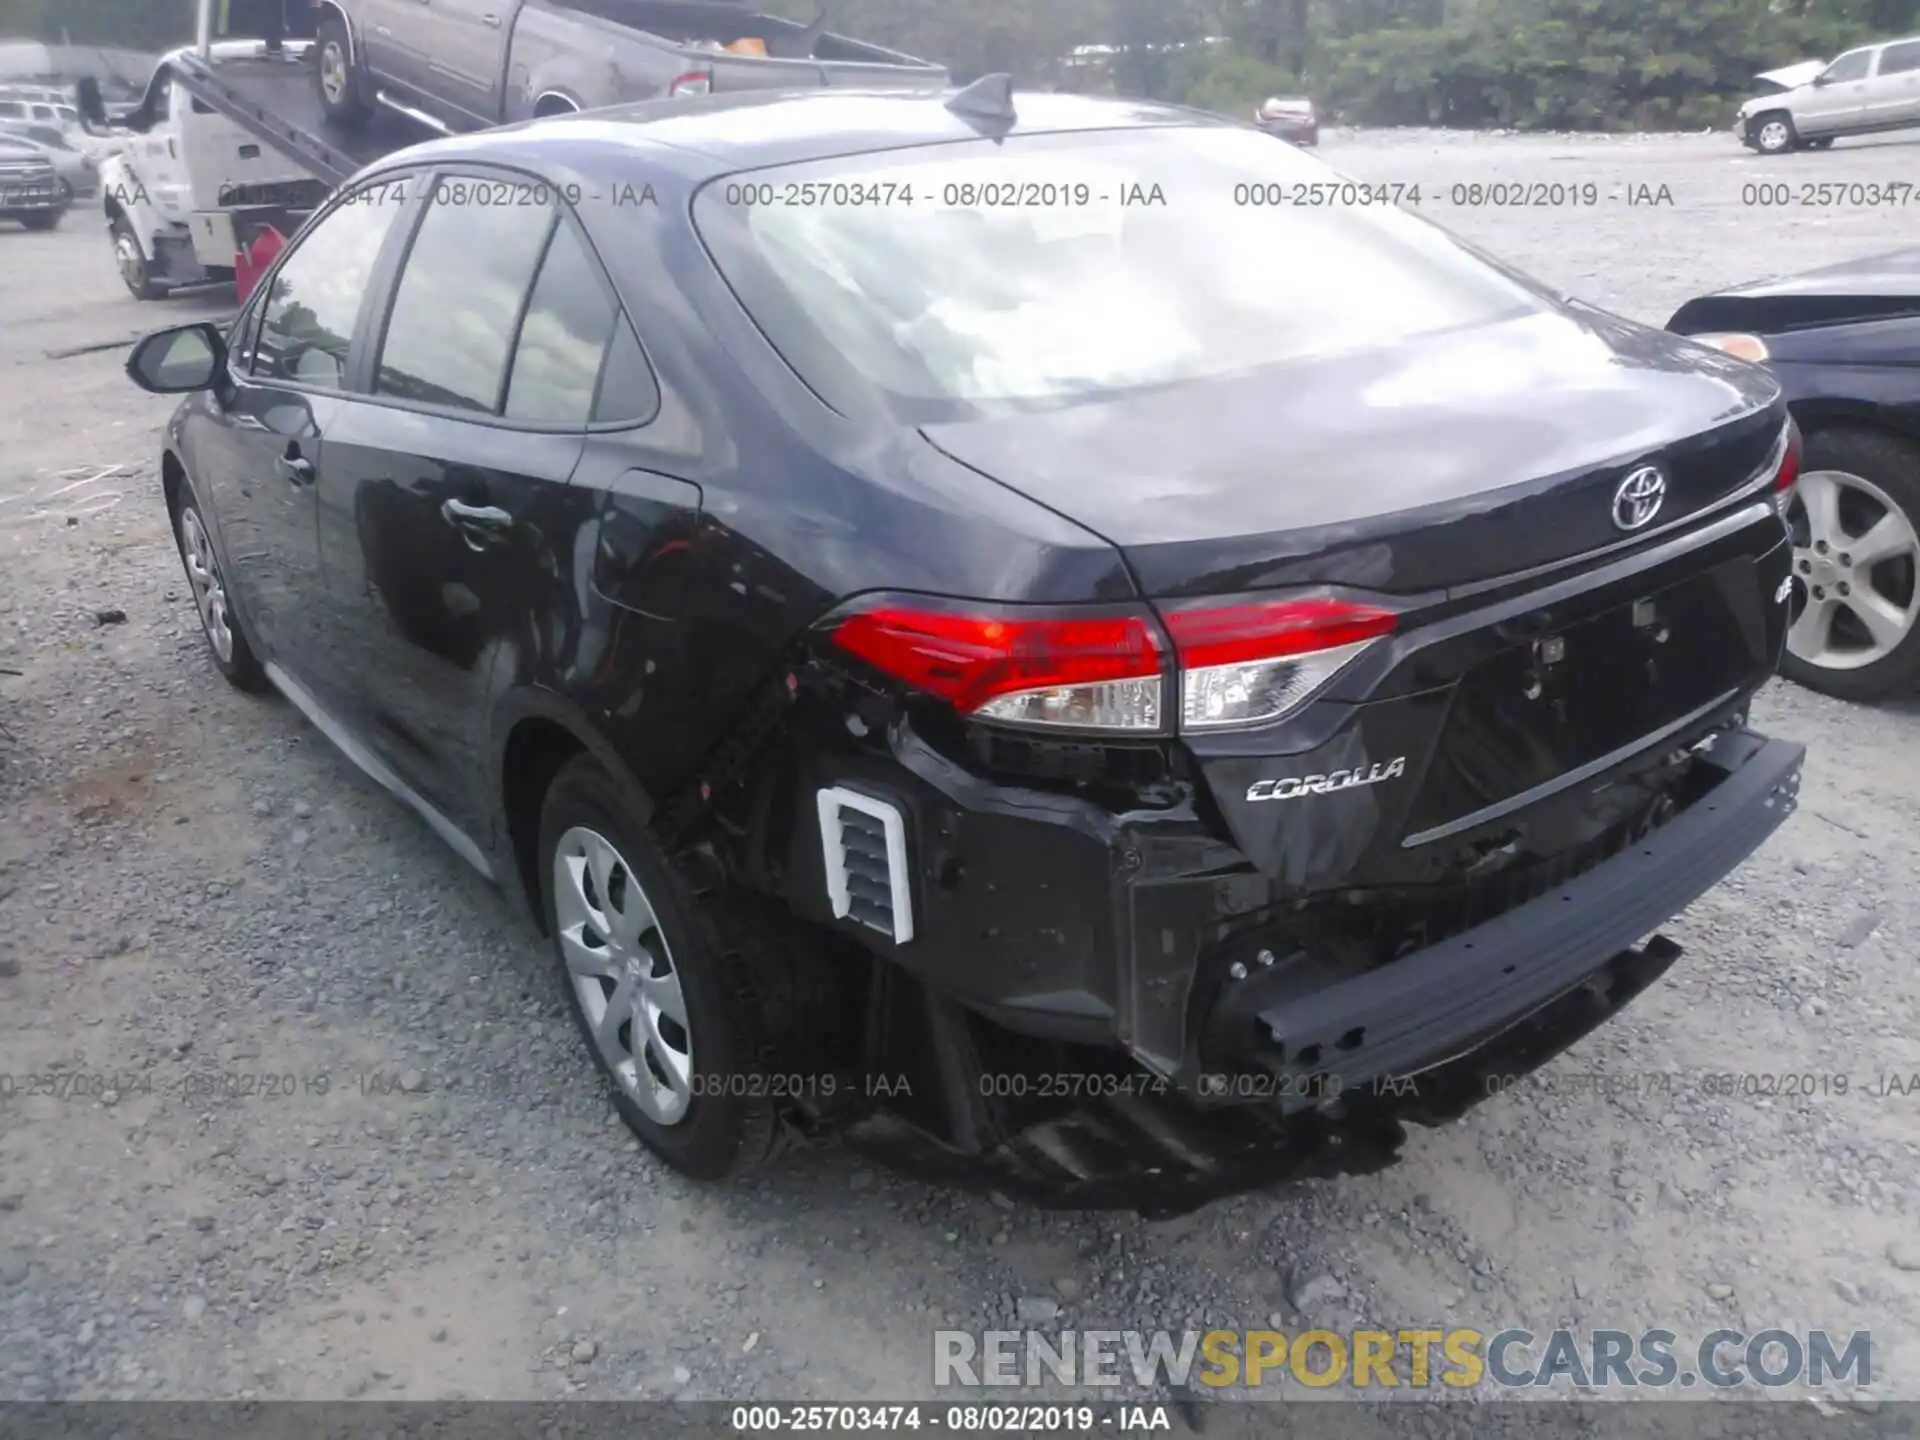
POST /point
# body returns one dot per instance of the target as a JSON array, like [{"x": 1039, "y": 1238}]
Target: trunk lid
[{"x": 1443, "y": 463}]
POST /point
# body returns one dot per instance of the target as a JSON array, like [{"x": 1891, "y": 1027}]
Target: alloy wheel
[
  {"x": 1774, "y": 136},
  {"x": 1856, "y": 560},
  {"x": 623, "y": 974},
  {"x": 333, "y": 72},
  {"x": 133, "y": 265},
  {"x": 209, "y": 589}
]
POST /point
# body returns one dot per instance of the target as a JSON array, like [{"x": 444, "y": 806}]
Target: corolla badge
[
  {"x": 1295, "y": 786},
  {"x": 1639, "y": 498}
]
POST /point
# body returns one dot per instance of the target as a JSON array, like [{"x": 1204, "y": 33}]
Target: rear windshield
[{"x": 1035, "y": 272}]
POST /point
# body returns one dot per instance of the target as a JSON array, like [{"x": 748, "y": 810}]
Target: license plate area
[{"x": 1542, "y": 707}]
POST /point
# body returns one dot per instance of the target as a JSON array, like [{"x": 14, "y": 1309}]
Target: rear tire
[
  {"x": 673, "y": 994},
  {"x": 1873, "y": 478},
  {"x": 341, "y": 85},
  {"x": 1773, "y": 133}
]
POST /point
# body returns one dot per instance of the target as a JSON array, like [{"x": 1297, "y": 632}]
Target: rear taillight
[
  {"x": 1789, "y": 458},
  {"x": 1239, "y": 664},
  {"x": 1088, "y": 670},
  {"x": 1251, "y": 663},
  {"x": 693, "y": 82}
]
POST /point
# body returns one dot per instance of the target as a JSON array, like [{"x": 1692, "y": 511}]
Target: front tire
[
  {"x": 1855, "y": 518},
  {"x": 1773, "y": 133},
  {"x": 43, "y": 220},
  {"x": 135, "y": 272},
  {"x": 667, "y": 991},
  {"x": 341, "y": 85},
  {"x": 226, "y": 643}
]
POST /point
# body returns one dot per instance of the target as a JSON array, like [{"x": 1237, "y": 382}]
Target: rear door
[
  {"x": 447, "y": 490},
  {"x": 1897, "y": 84}
]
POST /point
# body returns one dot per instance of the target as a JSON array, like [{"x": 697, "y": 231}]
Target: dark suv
[{"x": 959, "y": 650}]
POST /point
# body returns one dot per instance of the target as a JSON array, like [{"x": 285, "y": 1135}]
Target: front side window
[
  {"x": 460, "y": 295},
  {"x": 1851, "y": 66},
  {"x": 1047, "y": 269},
  {"x": 313, "y": 301}
]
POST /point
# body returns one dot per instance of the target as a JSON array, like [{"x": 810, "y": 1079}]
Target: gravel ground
[{"x": 193, "y": 883}]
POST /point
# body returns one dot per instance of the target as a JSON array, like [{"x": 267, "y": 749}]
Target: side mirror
[
  {"x": 178, "y": 361},
  {"x": 91, "y": 105},
  {"x": 1821, "y": 79}
]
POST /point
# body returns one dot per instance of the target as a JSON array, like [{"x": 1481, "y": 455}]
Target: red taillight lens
[
  {"x": 1789, "y": 459},
  {"x": 1087, "y": 671},
  {"x": 693, "y": 82},
  {"x": 1252, "y": 663}
]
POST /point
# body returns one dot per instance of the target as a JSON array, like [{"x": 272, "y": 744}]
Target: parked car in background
[
  {"x": 1290, "y": 678},
  {"x": 30, "y": 190},
  {"x": 454, "y": 69},
  {"x": 78, "y": 172},
  {"x": 1867, "y": 90},
  {"x": 1293, "y": 119},
  {"x": 1844, "y": 342}
]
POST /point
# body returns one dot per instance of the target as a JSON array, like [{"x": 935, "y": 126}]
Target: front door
[
  {"x": 447, "y": 515},
  {"x": 1838, "y": 101},
  {"x": 264, "y": 459}
]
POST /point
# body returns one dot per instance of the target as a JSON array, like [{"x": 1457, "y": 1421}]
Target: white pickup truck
[{"x": 460, "y": 64}]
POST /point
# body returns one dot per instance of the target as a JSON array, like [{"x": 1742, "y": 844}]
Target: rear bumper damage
[
  {"x": 1453, "y": 997},
  {"x": 1429, "y": 1036}
]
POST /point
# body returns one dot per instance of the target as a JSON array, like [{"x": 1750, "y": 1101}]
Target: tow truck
[{"x": 231, "y": 147}]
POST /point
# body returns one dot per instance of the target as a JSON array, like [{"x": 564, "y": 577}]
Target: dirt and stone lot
[{"x": 194, "y": 883}]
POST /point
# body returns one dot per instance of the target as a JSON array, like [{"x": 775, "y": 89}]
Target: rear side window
[
  {"x": 628, "y": 391},
  {"x": 459, "y": 300},
  {"x": 556, "y": 366},
  {"x": 1901, "y": 58},
  {"x": 308, "y": 317}
]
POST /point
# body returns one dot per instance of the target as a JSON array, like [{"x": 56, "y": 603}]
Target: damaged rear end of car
[{"x": 1415, "y": 707}]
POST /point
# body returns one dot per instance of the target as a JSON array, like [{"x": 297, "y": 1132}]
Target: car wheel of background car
[
  {"x": 66, "y": 192},
  {"x": 231, "y": 653},
  {"x": 1773, "y": 133},
  {"x": 342, "y": 85},
  {"x": 43, "y": 219},
  {"x": 1825, "y": 142},
  {"x": 1856, "y": 566},
  {"x": 132, "y": 264},
  {"x": 661, "y": 984}
]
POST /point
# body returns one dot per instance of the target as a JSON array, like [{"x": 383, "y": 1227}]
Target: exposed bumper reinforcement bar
[{"x": 1442, "y": 1002}]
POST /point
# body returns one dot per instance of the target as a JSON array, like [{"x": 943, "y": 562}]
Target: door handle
[
  {"x": 492, "y": 22},
  {"x": 294, "y": 469},
  {"x": 482, "y": 525}
]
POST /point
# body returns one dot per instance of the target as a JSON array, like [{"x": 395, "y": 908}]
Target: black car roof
[
  {"x": 1897, "y": 273},
  {"x": 716, "y": 134}
]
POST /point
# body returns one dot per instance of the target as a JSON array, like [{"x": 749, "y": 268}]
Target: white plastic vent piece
[{"x": 864, "y": 844}]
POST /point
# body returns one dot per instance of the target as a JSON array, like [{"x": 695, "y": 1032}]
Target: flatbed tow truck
[{"x": 231, "y": 147}]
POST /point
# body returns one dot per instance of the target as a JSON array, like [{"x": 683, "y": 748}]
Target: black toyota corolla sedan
[
  {"x": 1844, "y": 342},
  {"x": 962, "y": 650}
]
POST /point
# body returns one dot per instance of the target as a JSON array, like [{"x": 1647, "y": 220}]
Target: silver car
[
  {"x": 1873, "y": 88},
  {"x": 78, "y": 172}
]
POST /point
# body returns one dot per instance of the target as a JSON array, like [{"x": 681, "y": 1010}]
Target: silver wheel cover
[
  {"x": 623, "y": 974},
  {"x": 1856, "y": 559}
]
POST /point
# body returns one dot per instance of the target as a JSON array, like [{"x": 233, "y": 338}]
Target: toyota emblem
[{"x": 1639, "y": 498}]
